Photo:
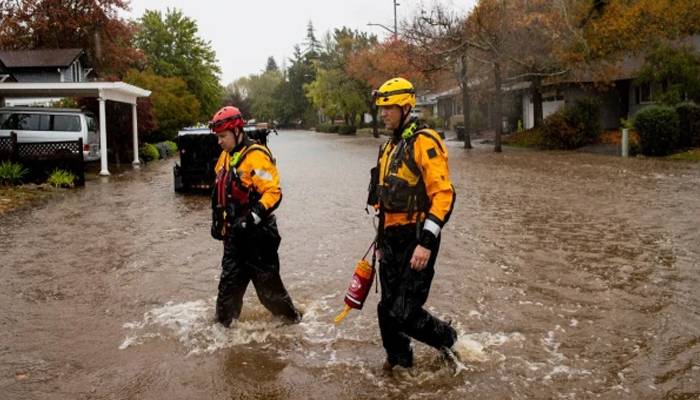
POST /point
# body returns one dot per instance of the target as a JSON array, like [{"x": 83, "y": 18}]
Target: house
[
  {"x": 46, "y": 65},
  {"x": 622, "y": 97},
  {"x": 39, "y": 77},
  {"x": 449, "y": 108},
  {"x": 5, "y": 75},
  {"x": 426, "y": 103}
]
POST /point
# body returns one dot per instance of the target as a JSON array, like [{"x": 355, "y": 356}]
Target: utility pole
[
  {"x": 396, "y": 26},
  {"x": 395, "y": 31}
]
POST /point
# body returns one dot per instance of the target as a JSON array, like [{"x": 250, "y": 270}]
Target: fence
[{"x": 41, "y": 158}]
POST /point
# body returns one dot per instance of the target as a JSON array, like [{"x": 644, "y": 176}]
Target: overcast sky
[{"x": 245, "y": 33}]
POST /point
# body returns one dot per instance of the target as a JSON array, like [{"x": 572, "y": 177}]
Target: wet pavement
[{"x": 568, "y": 276}]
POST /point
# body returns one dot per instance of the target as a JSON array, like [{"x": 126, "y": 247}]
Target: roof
[
  {"x": 448, "y": 93},
  {"x": 115, "y": 91},
  {"x": 39, "y": 58}
]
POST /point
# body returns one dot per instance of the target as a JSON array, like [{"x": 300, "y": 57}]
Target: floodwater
[{"x": 568, "y": 276}]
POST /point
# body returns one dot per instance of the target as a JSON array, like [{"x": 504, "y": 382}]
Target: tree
[
  {"x": 260, "y": 91},
  {"x": 440, "y": 44},
  {"x": 677, "y": 69},
  {"x": 271, "y": 65},
  {"x": 235, "y": 96},
  {"x": 335, "y": 92},
  {"x": 601, "y": 33},
  {"x": 336, "y": 95},
  {"x": 313, "y": 46},
  {"x": 173, "y": 49},
  {"x": 91, "y": 25},
  {"x": 173, "y": 105},
  {"x": 293, "y": 106},
  {"x": 379, "y": 62}
]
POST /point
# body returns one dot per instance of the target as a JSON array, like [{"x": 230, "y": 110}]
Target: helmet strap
[
  {"x": 404, "y": 119},
  {"x": 239, "y": 135}
]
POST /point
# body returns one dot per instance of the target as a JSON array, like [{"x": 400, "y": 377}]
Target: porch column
[
  {"x": 103, "y": 138},
  {"x": 136, "y": 134}
]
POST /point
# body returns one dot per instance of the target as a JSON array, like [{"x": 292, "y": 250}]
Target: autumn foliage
[
  {"x": 89, "y": 24},
  {"x": 386, "y": 60}
]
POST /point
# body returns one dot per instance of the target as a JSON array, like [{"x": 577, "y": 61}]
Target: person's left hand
[{"x": 420, "y": 258}]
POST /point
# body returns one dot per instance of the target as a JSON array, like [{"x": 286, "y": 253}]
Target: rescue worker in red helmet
[
  {"x": 245, "y": 195},
  {"x": 413, "y": 194}
]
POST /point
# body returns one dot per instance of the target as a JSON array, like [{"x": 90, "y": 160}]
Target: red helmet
[{"x": 227, "y": 118}]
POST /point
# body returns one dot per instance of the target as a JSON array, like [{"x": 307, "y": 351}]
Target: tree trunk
[
  {"x": 499, "y": 108},
  {"x": 537, "y": 101},
  {"x": 466, "y": 107}
]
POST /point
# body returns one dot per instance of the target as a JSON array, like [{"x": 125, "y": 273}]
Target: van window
[
  {"x": 3, "y": 117},
  {"x": 91, "y": 126},
  {"x": 66, "y": 123},
  {"x": 27, "y": 122}
]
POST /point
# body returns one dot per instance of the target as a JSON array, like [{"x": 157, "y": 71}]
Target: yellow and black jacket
[
  {"x": 413, "y": 182},
  {"x": 246, "y": 181}
]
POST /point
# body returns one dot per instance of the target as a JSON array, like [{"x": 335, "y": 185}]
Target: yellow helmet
[{"x": 395, "y": 91}]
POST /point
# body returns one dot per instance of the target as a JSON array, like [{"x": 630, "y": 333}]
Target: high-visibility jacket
[
  {"x": 413, "y": 179},
  {"x": 249, "y": 180}
]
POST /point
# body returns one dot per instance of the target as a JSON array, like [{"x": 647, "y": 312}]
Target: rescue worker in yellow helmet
[
  {"x": 412, "y": 192},
  {"x": 245, "y": 195}
]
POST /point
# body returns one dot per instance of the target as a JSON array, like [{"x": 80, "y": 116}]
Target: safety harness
[
  {"x": 231, "y": 198},
  {"x": 401, "y": 188}
]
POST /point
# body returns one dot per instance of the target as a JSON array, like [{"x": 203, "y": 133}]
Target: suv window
[{"x": 69, "y": 123}]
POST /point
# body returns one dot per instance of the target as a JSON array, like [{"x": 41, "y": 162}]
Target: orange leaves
[{"x": 381, "y": 62}]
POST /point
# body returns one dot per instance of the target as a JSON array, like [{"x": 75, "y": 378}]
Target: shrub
[
  {"x": 171, "y": 147},
  {"x": 347, "y": 130},
  {"x": 333, "y": 128},
  {"x": 323, "y": 127},
  {"x": 584, "y": 115},
  {"x": 149, "y": 152},
  {"x": 436, "y": 122},
  {"x": 60, "y": 178},
  {"x": 571, "y": 127},
  {"x": 689, "y": 124},
  {"x": 12, "y": 173},
  {"x": 658, "y": 130},
  {"x": 528, "y": 138},
  {"x": 162, "y": 149},
  {"x": 557, "y": 133}
]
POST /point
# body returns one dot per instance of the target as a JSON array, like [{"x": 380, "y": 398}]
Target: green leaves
[
  {"x": 173, "y": 105},
  {"x": 174, "y": 49},
  {"x": 335, "y": 94},
  {"x": 11, "y": 173}
]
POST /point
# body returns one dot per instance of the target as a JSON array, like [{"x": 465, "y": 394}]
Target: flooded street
[{"x": 568, "y": 276}]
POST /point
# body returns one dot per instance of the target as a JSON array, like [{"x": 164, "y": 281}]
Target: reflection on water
[{"x": 567, "y": 276}]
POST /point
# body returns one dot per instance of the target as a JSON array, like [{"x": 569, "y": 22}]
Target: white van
[{"x": 37, "y": 124}]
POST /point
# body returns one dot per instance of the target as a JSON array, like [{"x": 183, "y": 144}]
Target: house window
[{"x": 643, "y": 93}]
